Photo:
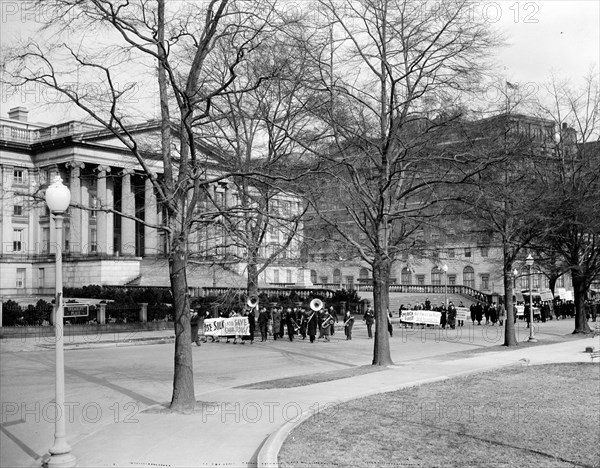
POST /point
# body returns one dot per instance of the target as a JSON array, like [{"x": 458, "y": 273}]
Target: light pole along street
[
  {"x": 529, "y": 263},
  {"x": 58, "y": 198}
]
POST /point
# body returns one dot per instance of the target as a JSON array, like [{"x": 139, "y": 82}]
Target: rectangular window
[
  {"x": 17, "y": 240},
  {"x": 17, "y": 210},
  {"x": 275, "y": 276},
  {"x": 323, "y": 279},
  {"x": 350, "y": 282},
  {"x": 41, "y": 278},
  {"x": 18, "y": 176},
  {"x": 536, "y": 282},
  {"x": 451, "y": 253},
  {"x": 93, "y": 240},
  {"x": 93, "y": 205},
  {"x": 45, "y": 240},
  {"x": 20, "y": 283},
  {"x": 485, "y": 282},
  {"x": 467, "y": 252},
  {"x": 484, "y": 251},
  {"x": 451, "y": 279},
  {"x": 420, "y": 280},
  {"x": 288, "y": 275}
]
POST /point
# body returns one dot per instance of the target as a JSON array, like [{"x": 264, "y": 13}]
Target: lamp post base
[{"x": 61, "y": 460}]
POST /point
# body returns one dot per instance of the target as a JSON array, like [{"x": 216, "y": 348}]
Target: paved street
[{"x": 109, "y": 386}]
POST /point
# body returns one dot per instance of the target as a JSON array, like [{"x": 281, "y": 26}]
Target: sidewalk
[{"x": 241, "y": 427}]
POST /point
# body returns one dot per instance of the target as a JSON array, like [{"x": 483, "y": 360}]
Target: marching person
[
  {"x": 276, "y": 323},
  {"x": 290, "y": 320},
  {"x": 251, "y": 324},
  {"x": 195, "y": 324},
  {"x": 312, "y": 323},
  {"x": 451, "y": 315},
  {"x": 263, "y": 323},
  {"x": 326, "y": 323},
  {"x": 335, "y": 320},
  {"x": 303, "y": 317},
  {"x": 348, "y": 323},
  {"x": 369, "y": 318}
]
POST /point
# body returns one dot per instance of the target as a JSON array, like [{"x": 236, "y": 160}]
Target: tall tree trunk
[
  {"x": 381, "y": 275},
  {"x": 252, "y": 274},
  {"x": 183, "y": 399},
  {"x": 510, "y": 338},
  {"x": 581, "y": 324}
]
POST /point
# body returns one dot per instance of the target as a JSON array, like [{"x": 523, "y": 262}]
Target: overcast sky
[{"x": 544, "y": 36}]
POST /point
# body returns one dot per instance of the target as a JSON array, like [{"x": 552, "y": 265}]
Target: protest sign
[
  {"x": 227, "y": 326},
  {"x": 427, "y": 317}
]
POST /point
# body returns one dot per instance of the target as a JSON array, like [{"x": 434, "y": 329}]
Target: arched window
[
  {"x": 337, "y": 276},
  {"x": 469, "y": 277},
  {"x": 436, "y": 276},
  {"x": 405, "y": 276},
  {"x": 313, "y": 276},
  {"x": 363, "y": 275}
]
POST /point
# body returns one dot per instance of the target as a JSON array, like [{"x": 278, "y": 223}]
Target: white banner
[
  {"x": 227, "y": 326},
  {"x": 427, "y": 317},
  {"x": 546, "y": 295},
  {"x": 462, "y": 313}
]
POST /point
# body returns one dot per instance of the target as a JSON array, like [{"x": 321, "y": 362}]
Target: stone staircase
[{"x": 155, "y": 272}]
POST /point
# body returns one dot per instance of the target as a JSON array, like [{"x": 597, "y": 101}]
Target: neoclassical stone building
[{"x": 99, "y": 247}]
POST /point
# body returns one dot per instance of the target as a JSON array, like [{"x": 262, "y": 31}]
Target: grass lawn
[{"x": 528, "y": 416}]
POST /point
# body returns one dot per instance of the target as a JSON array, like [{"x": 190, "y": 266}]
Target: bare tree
[
  {"x": 570, "y": 182},
  {"x": 266, "y": 128},
  {"x": 142, "y": 36},
  {"x": 387, "y": 66}
]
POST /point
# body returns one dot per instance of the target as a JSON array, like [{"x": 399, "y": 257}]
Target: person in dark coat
[
  {"x": 348, "y": 324},
  {"x": 444, "y": 316},
  {"x": 335, "y": 320},
  {"x": 327, "y": 321},
  {"x": 252, "y": 324},
  {"x": 369, "y": 319},
  {"x": 263, "y": 323},
  {"x": 195, "y": 324},
  {"x": 290, "y": 321},
  {"x": 451, "y": 315},
  {"x": 312, "y": 324},
  {"x": 479, "y": 313},
  {"x": 473, "y": 310},
  {"x": 303, "y": 319},
  {"x": 276, "y": 323}
]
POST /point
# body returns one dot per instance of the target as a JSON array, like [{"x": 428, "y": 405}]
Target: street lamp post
[
  {"x": 529, "y": 263},
  {"x": 445, "y": 268},
  {"x": 58, "y": 198}
]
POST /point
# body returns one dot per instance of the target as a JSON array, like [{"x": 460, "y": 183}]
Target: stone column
[
  {"x": 151, "y": 217},
  {"x": 75, "y": 219},
  {"x": 143, "y": 312},
  {"x": 102, "y": 223},
  {"x": 128, "y": 208},
  {"x": 101, "y": 313}
]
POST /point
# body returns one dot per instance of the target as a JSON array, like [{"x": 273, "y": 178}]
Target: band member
[
  {"x": 263, "y": 323},
  {"x": 251, "y": 325},
  {"x": 312, "y": 323},
  {"x": 303, "y": 322},
  {"x": 276, "y": 323},
  {"x": 335, "y": 320},
  {"x": 327, "y": 321},
  {"x": 348, "y": 324},
  {"x": 290, "y": 320},
  {"x": 282, "y": 322},
  {"x": 369, "y": 318},
  {"x": 195, "y": 324}
]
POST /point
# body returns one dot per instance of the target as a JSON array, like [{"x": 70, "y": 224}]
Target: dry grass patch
[{"x": 530, "y": 416}]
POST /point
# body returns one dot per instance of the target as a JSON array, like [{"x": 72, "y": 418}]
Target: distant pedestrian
[
  {"x": 194, "y": 325},
  {"x": 348, "y": 324},
  {"x": 263, "y": 323},
  {"x": 369, "y": 318}
]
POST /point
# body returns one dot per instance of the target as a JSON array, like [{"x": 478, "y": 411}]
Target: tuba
[
  {"x": 252, "y": 302},
  {"x": 316, "y": 304}
]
